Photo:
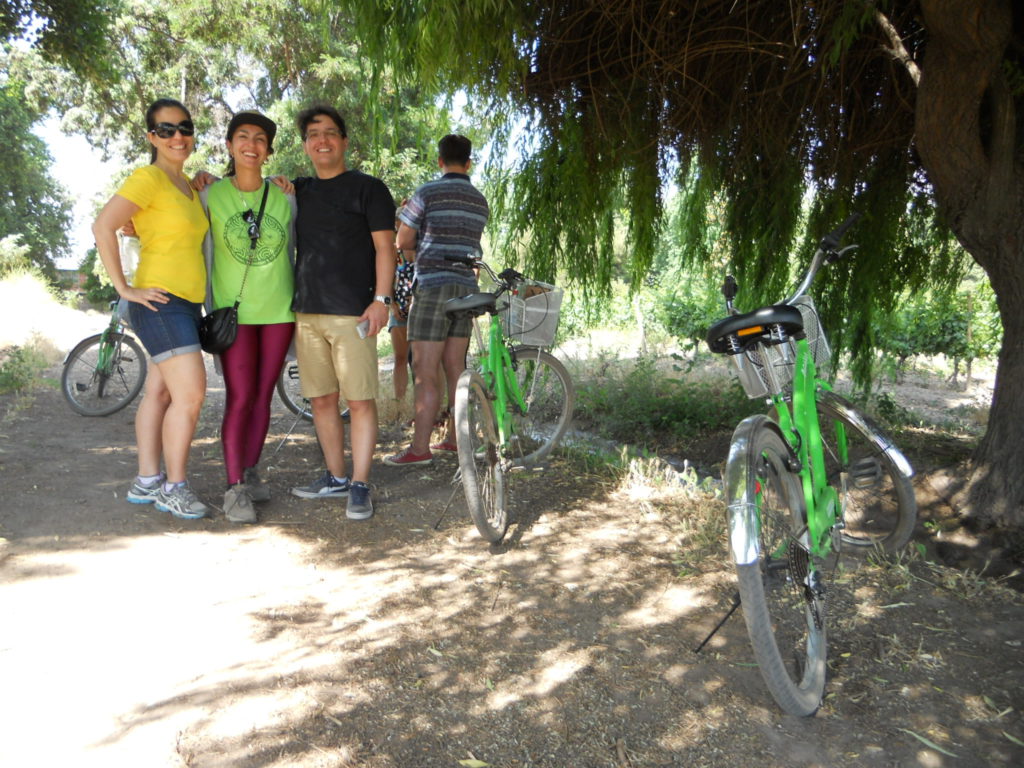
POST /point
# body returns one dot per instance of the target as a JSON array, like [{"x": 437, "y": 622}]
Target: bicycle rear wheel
[
  {"x": 289, "y": 391},
  {"x": 879, "y": 507},
  {"x": 100, "y": 378},
  {"x": 549, "y": 396},
  {"x": 781, "y": 593},
  {"x": 480, "y": 457}
]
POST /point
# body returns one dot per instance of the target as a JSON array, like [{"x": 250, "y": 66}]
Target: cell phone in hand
[{"x": 363, "y": 328}]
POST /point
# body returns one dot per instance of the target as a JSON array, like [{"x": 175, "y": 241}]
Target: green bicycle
[
  {"x": 815, "y": 476},
  {"x": 104, "y": 372},
  {"x": 512, "y": 411}
]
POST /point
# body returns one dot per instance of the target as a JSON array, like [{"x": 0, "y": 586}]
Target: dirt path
[{"x": 131, "y": 639}]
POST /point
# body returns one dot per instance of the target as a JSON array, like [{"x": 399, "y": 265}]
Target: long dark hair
[{"x": 155, "y": 107}]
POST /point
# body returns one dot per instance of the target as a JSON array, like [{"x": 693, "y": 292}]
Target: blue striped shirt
[{"x": 449, "y": 216}]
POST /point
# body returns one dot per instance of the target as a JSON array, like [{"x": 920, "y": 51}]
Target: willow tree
[{"x": 904, "y": 110}]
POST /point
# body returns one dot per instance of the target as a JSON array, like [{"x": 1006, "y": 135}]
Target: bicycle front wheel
[
  {"x": 870, "y": 475},
  {"x": 549, "y": 396},
  {"x": 781, "y": 592},
  {"x": 480, "y": 457},
  {"x": 101, "y": 378}
]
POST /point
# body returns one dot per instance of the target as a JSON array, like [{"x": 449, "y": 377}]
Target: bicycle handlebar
[
  {"x": 832, "y": 240},
  {"x": 827, "y": 253}
]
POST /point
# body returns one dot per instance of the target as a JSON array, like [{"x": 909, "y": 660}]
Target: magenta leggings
[{"x": 251, "y": 367}]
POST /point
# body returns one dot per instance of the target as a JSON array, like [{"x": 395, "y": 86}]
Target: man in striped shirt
[{"x": 443, "y": 217}]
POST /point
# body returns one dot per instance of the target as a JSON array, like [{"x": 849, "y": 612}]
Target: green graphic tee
[{"x": 267, "y": 295}]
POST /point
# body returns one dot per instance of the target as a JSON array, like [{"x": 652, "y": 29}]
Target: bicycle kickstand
[
  {"x": 719, "y": 625},
  {"x": 456, "y": 483}
]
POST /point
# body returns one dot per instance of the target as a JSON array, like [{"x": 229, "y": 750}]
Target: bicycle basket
[
  {"x": 765, "y": 370},
  {"x": 531, "y": 316},
  {"x": 821, "y": 352}
]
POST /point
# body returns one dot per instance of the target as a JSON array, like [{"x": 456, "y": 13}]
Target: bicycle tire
[
  {"x": 288, "y": 390},
  {"x": 549, "y": 395},
  {"x": 879, "y": 506},
  {"x": 92, "y": 392},
  {"x": 785, "y": 616},
  {"x": 482, "y": 465}
]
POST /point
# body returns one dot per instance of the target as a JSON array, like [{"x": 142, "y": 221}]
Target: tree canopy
[{"x": 34, "y": 205}]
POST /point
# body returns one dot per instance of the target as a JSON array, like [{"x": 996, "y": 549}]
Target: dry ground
[{"x": 129, "y": 638}]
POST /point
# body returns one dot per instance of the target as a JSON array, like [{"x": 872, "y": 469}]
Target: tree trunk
[{"x": 967, "y": 140}]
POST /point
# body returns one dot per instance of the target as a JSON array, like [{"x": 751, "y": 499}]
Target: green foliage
[
  {"x": 960, "y": 325},
  {"x": 69, "y": 31},
  {"x": 640, "y": 404},
  {"x": 19, "y": 367},
  {"x": 99, "y": 291},
  {"x": 276, "y": 56},
  {"x": 14, "y": 255},
  {"x": 32, "y": 204}
]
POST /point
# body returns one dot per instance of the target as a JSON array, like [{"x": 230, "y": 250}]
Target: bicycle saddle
[
  {"x": 755, "y": 326},
  {"x": 475, "y": 304}
]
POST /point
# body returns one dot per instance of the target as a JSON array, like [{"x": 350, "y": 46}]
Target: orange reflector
[{"x": 750, "y": 331}]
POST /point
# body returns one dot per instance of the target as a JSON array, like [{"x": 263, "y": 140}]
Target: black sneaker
[
  {"x": 324, "y": 487},
  {"x": 359, "y": 505}
]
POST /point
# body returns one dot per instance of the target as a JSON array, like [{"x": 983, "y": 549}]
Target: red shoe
[
  {"x": 407, "y": 458},
  {"x": 447, "y": 446}
]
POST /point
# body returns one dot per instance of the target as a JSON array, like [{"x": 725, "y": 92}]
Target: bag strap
[{"x": 252, "y": 243}]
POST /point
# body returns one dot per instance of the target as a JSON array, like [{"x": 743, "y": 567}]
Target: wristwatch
[{"x": 385, "y": 300}]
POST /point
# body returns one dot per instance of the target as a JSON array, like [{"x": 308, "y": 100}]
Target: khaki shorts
[
  {"x": 332, "y": 357},
  {"x": 427, "y": 318}
]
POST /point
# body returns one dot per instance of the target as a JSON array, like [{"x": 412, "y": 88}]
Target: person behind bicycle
[
  {"x": 443, "y": 217},
  {"x": 166, "y": 297}
]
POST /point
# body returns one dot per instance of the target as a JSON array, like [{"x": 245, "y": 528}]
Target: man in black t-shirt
[{"x": 344, "y": 268}]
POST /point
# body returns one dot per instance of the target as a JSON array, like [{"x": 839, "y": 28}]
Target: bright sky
[{"x": 79, "y": 168}]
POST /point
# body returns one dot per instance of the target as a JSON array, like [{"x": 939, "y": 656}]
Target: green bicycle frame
[
  {"x": 105, "y": 354},
  {"x": 803, "y": 431},
  {"x": 499, "y": 375}
]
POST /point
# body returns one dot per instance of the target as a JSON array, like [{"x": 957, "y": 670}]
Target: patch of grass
[
  {"x": 20, "y": 366},
  {"x": 638, "y": 403}
]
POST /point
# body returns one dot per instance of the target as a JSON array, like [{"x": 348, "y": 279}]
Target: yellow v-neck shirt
[{"x": 171, "y": 228}]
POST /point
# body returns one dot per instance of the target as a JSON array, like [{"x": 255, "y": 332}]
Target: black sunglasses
[
  {"x": 167, "y": 130},
  {"x": 254, "y": 228}
]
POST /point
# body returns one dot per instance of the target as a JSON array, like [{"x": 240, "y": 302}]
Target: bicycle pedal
[
  {"x": 80, "y": 387},
  {"x": 865, "y": 472}
]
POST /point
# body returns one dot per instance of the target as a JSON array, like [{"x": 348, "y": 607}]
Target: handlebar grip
[
  {"x": 461, "y": 259},
  {"x": 730, "y": 288},
  {"x": 832, "y": 240}
]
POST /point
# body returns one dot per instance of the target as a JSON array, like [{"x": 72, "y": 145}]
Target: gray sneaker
[
  {"x": 258, "y": 490},
  {"x": 324, "y": 487},
  {"x": 145, "y": 494},
  {"x": 238, "y": 504},
  {"x": 181, "y": 502},
  {"x": 359, "y": 505}
]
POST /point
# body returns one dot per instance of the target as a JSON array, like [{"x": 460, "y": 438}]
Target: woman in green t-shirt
[
  {"x": 165, "y": 298},
  {"x": 251, "y": 239}
]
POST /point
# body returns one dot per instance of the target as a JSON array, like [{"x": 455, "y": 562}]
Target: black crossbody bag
[{"x": 217, "y": 330}]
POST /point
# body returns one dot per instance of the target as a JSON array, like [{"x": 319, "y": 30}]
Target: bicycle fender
[
  {"x": 878, "y": 437},
  {"x": 742, "y": 513}
]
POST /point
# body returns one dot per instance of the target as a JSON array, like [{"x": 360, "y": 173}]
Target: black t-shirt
[{"x": 335, "y": 261}]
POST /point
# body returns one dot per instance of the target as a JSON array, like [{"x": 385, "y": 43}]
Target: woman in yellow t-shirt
[{"x": 165, "y": 298}]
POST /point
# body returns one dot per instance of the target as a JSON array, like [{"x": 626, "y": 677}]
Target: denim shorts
[{"x": 172, "y": 330}]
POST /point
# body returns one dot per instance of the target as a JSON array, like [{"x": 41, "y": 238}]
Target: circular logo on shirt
[{"x": 270, "y": 243}]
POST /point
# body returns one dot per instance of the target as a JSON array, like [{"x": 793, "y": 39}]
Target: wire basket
[
  {"x": 768, "y": 370},
  {"x": 765, "y": 370},
  {"x": 531, "y": 316},
  {"x": 821, "y": 352}
]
